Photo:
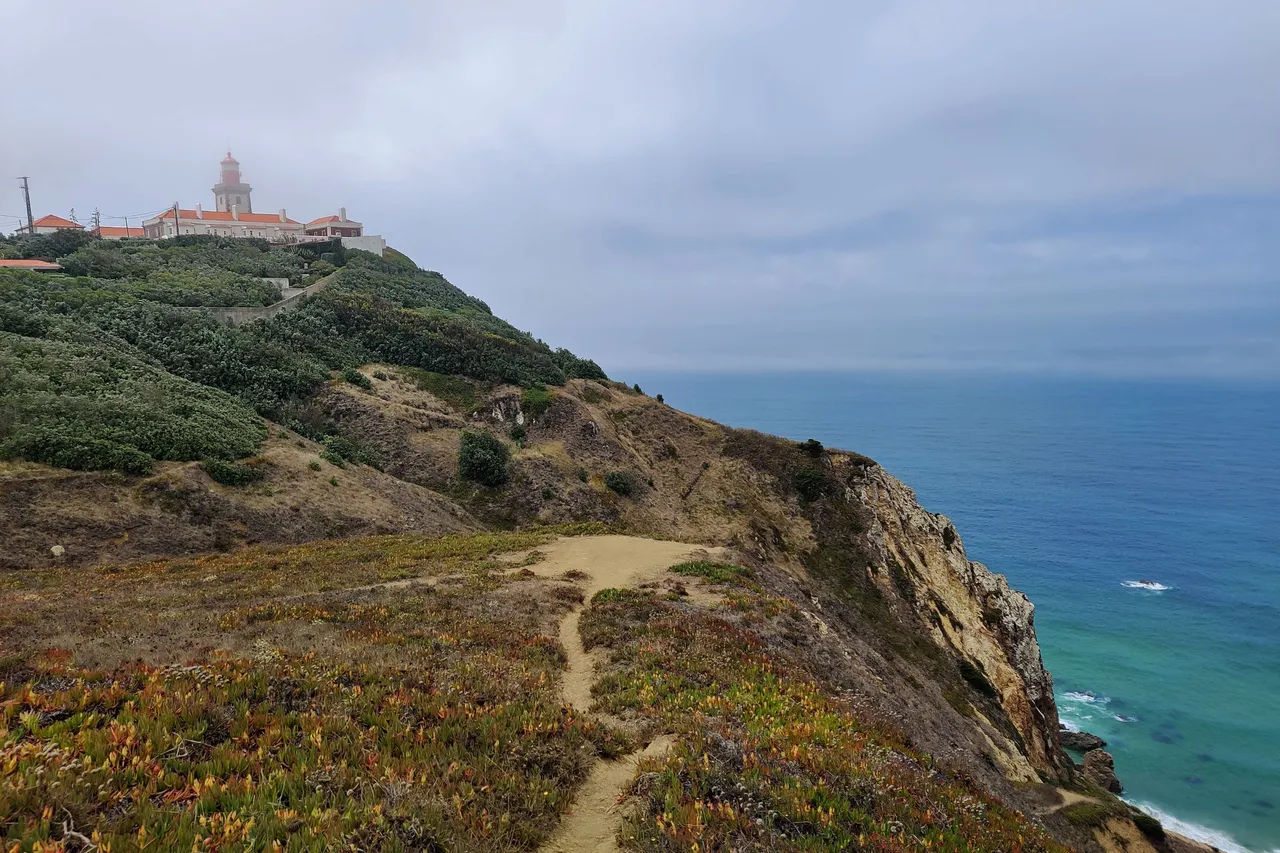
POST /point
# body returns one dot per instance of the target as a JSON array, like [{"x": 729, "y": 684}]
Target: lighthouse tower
[{"x": 231, "y": 191}]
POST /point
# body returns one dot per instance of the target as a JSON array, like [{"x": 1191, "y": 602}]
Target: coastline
[{"x": 1203, "y": 838}]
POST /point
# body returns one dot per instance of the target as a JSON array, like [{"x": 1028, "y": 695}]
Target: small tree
[
  {"x": 659, "y": 399},
  {"x": 813, "y": 447},
  {"x": 483, "y": 459}
]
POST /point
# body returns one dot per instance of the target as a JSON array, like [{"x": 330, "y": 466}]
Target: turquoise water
[{"x": 1071, "y": 488}]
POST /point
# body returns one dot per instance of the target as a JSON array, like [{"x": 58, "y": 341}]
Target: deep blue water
[{"x": 1071, "y": 487}]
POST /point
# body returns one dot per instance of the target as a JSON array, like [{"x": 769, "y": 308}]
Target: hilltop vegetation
[{"x": 132, "y": 300}]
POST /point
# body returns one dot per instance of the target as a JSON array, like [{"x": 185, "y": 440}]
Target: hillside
[{"x": 793, "y": 656}]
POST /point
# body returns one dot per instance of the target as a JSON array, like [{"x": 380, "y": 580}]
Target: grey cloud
[{"x": 744, "y": 183}]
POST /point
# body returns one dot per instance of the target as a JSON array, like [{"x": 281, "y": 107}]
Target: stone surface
[
  {"x": 1100, "y": 767},
  {"x": 1081, "y": 741}
]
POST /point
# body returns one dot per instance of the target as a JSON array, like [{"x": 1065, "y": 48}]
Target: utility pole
[
  {"x": 26, "y": 192},
  {"x": 176, "y": 231},
  {"x": 97, "y": 222}
]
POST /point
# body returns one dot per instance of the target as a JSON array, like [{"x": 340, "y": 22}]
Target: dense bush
[
  {"x": 96, "y": 404},
  {"x": 355, "y": 377},
  {"x": 231, "y": 473},
  {"x": 813, "y": 447},
  {"x": 810, "y": 484},
  {"x": 577, "y": 368},
  {"x": 619, "y": 482},
  {"x": 483, "y": 459}
]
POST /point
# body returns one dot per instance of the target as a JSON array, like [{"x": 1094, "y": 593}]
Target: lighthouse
[{"x": 231, "y": 192}]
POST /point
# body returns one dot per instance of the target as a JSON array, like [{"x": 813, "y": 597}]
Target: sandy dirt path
[{"x": 607, "y": 561}]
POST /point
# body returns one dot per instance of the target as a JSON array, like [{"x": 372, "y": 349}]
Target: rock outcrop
[
  {"x": 1080, "y": 741},
  {"x": 1100, "y": 768}
]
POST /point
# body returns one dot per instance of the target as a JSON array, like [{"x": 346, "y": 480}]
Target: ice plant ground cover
[
  {"x": 403, "y": 693},
  {"x": 765, "y": 759},
  {"x": 403, "y": 716}
]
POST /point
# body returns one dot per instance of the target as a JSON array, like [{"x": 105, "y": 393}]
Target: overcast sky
[{"x": 1079, "y": 185}]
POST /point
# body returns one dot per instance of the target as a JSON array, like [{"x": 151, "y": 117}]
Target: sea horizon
[{"x": 1076, "y": 488}]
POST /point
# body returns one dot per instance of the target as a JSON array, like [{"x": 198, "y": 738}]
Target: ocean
[{"x": 1076, "y": 489}]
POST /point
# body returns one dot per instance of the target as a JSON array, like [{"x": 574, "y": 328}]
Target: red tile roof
[
  {"x": 225, "y": 216},
  {"x": 43, "y": 266},
  {"x": 52, "y": 221},
  {"x": 119, "y": 231},
  {"x": 324, "y": 219}
]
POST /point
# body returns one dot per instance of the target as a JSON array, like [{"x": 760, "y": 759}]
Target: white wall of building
[{"x": 369, "y": 243}]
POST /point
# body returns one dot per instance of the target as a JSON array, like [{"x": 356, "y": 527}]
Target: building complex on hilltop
[{"x": 232, "y": 216}]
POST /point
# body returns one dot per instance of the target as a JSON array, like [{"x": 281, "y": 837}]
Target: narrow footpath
[{"x": 607, "y": 561}]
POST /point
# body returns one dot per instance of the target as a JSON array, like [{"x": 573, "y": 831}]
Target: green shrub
[
  {"x": 313, "y": 465},
  {"x": 810, "y": 484},
  {"x": 333, "y": 481},
  {"x": 621, "y": 596},
  {"x": 534, "y": 402},
  {"x": 659, "y": 398},
  {"x": 712, "y": 571},
  {"x": 1091, "y": 815},
  {"x": 548, "y": 493},
  {"x": 355, "y": 377},
  {"x": 64, "y": 449},
  {"x": 380, "y": 376},
  {"x": 619, "y": 482},
  {"x": 1149, "y": 826},
  {"x": 333, "y": 459},
  {"x": 232, "y": 473},
  {"x": 518, "y": 433},
  {"x": 636, "y": 388},
  {"x": 483, "y": 459},
  {"x": 582, "y": 474},
  {"x": 813, "y": 447}
]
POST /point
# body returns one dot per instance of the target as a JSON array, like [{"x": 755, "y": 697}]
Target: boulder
[
  {"x": 1081, "y": 741},
  {"x": 1100, "y": 768}
]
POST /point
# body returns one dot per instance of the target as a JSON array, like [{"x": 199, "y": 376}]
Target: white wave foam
[
  {"x": 1151, "y": 585},
  {"x": 1196, "y": 832},
  {"x": 1086, "y": 697},
  {"x": 1124, "y": 718},
  {"x": 1069, "y": 725}
]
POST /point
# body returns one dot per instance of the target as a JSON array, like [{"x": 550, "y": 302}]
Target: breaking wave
[{"x": 1196, "y": 832}]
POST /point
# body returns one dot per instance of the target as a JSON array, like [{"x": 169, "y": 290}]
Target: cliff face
[{"x": 968, "y": 607}]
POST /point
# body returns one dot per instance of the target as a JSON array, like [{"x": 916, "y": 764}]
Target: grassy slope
[{"x": 400, "y": 693}]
